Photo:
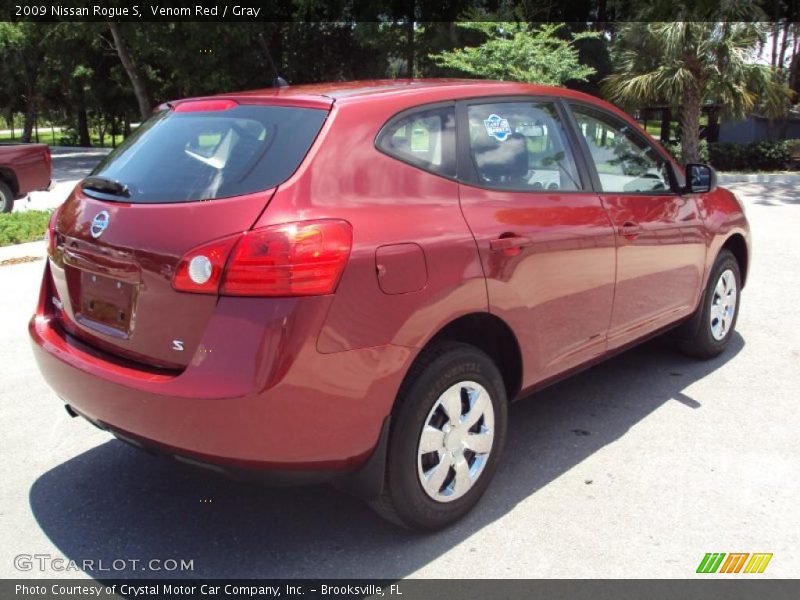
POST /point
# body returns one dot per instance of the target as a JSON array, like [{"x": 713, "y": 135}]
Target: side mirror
[{"x": 700, "y": 179}]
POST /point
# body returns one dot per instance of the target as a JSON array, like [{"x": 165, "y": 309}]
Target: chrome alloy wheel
[
  {"x": 723, "y": 305},
  {"x": 455, "y": 441}
]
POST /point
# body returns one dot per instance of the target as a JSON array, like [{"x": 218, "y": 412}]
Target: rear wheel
[
  {"x": 711, "y": 328},
  {"x": 446, "y": 439},
  {"x": 6, "y": 198}
]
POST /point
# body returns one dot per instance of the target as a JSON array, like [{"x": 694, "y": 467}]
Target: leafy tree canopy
[{"x": 513, "y": 51}]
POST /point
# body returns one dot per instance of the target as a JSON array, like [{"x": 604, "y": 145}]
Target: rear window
[{"x": 190, "y": 156}]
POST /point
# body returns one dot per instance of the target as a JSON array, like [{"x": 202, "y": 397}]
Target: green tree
[
  {"x": 519, "y": 52},
  {"x": 22, "y": 49},
  {"x": 70, "y": 74},
  {"x": 131, "y": 69},
  {"x": 690, "y": 64}
]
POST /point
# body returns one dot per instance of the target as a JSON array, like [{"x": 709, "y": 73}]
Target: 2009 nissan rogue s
[{"x": 349, "y": 282}]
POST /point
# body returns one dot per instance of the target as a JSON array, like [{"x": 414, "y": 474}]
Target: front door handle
[
  {"x": 630, "y": 230},
  {"x": 510, "y": 245}
]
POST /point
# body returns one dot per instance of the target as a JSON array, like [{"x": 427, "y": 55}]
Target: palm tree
[{"x": 688, "y": 64}]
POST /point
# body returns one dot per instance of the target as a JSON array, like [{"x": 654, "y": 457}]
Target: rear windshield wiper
[{"x": 106, "y": 186}]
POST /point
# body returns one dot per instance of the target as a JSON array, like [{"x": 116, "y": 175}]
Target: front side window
[
  {"x": 521, "y": 146},
  {"x": 625, "y": 162},
  {"x": 424, "y": 138}
]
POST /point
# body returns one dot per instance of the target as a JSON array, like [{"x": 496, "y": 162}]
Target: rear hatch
[{"x": 192, "y": 174}]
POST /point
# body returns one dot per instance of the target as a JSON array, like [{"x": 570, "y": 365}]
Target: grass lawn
[
  {"x": 653, "y": 129},
  {"x": 46, "y": 137},
  {"x": 19, "y": 227}
]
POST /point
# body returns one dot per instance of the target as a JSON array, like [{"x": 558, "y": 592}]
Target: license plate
[{"x": 106, "y": 303}]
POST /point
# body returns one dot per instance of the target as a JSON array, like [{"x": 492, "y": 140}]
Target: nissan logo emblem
[{"x": 99, "y": 223}]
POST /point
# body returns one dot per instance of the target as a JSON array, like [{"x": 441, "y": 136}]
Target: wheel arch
[
  {"x": 737, "y": 246},
  {"x": 481, "y": 330},
  {"x": 491, "y": 335},
  {"x": 8, "y": 177}
]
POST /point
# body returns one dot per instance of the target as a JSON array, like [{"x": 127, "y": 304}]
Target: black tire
[
  {"x": 695, "y": 337},
  {"x": 6, "y": 198},
  {"x": 404, "y": 500}
]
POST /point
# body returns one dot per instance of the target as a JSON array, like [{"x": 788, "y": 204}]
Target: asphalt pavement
[{"x": 633, "y": 469}]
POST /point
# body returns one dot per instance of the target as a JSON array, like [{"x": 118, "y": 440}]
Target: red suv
[{"x": 349, "y": 282}]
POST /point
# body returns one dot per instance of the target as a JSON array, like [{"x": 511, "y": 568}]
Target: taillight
[
  {"x": 291, "y": 259},
  {"x": 50, "y": 233},
  {"x": 294, "y": 259},
  {"x": 201, "y": 269}
]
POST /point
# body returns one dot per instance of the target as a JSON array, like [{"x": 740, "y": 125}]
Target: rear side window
[
  {"x": 424, "y": 138},
  {"x": 190, "y": 156}
]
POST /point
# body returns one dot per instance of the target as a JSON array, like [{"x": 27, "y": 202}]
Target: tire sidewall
[
  {"x": 6, "y": 198},
  {"x": 410, "y": 500},
  {"x": 724, "y": 261}
]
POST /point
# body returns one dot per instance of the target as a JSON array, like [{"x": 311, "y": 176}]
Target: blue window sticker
[{"x": 497, "y": 127}]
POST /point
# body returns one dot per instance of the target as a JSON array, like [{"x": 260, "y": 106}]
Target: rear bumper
[
  {"x": 263, "y": 400},
  {"x": 366, "y": 480}
]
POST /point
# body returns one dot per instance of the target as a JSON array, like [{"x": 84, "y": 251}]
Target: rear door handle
[
  {"x": 629, "y": 229},
  {"x": 510, "y": 245}
]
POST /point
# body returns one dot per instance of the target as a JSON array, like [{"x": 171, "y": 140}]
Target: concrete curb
[
  {"x": 20, "y": 252},
  {"x": 67, "y": 151},
  {"x": 785, "y": 178}
]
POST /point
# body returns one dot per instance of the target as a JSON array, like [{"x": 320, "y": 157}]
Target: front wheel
[
  {"x": 447, "y": 435},
  {"x": 6, "y": 198},
  {"x": 712, "y": 326}
]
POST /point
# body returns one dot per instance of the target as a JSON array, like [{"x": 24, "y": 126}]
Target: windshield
[{"x": 190, "y": 156}]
